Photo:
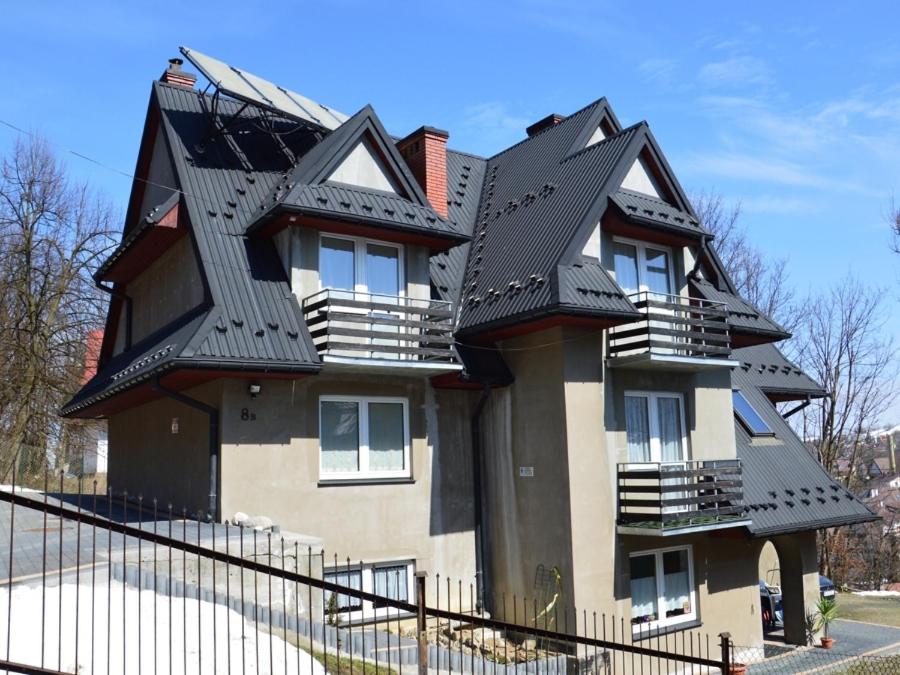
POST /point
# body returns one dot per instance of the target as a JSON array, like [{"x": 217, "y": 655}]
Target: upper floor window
[
  {"x": 746, "y": 413},
  {"x": 654, "y": 427},
  {"x": 361, "y": 265},
  {"x": 643, "y": 267},
  {"x": 363, "y": 437}
]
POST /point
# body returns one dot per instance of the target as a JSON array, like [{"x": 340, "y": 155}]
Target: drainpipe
[
  {"x": 213, "y": 415},
  {"x": 127, "y": 300},
  {"x": 477, "y": 490},
  {"x": 695, "y": 270}
]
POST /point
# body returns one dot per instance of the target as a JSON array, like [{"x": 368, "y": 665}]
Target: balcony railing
[
  {"x": 663, "y": 498},
  {"x": 385, "y": 327},
  {"x": 673, "y": 325}
]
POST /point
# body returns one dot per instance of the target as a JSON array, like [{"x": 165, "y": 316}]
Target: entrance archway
[{"x": 787, "y": 563}]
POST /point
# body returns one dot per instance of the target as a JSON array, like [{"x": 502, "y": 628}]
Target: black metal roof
[
  {"x": 656, "y": 213},
  {"x": 785, "y": 487},
  {"x": 742, "y": 316},
  {"x": 774, "y": 373}
]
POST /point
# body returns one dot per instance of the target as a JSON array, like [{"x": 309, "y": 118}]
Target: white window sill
[
  {"x": 646, "y": 631},
  {"x": 329, "y": 481}
]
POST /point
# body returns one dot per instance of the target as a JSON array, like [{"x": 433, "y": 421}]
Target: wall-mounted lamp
[{"x": 254, "y": 390}]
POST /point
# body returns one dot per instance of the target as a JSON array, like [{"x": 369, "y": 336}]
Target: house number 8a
[{"x": 247, "y": 416}]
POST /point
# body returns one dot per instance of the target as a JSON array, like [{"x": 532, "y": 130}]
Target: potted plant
[{"x": 827, "y": 612}]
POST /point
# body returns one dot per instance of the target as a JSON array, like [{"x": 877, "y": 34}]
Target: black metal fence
[{"x": 96, "y": 583}]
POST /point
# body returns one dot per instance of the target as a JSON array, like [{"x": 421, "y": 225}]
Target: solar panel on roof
[{"x": 255, "y": 90}]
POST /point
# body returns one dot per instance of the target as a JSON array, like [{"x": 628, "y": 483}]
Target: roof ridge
[{"x": 550, "y": 128}]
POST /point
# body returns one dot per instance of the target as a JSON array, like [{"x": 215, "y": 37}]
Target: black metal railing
[
  {"x": 673, "y": 325},
  {"x": 96, "y": 583},
  {"x": 666, "y": 496},
  {"x": 366, "y": 325}
]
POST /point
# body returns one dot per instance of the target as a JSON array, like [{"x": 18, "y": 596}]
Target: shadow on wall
[{"x": 448, "y": 415}]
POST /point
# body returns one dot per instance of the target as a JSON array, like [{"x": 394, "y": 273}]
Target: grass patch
[
  {"x": 884, "y": 610},
  {"x": 342, "y": 666}
]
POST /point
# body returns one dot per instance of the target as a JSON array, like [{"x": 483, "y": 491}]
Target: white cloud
[
  {"x": 494, "y": 117},
  {"x": 658, "y": 70},
  {"x": 735, "y": 72}
]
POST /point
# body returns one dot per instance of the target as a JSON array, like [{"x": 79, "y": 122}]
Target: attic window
[{"x": 747, "y": 415}]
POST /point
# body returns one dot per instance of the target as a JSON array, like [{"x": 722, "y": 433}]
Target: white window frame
[
  {"x": 363, "y": 473},
  {"x": 662, "y": 621},
  {"x": 368, "y": 610},
  {"x": 641, "y": 248},
  {"x": 653, "y": 422},
  {"x": 360, "y": 281}
]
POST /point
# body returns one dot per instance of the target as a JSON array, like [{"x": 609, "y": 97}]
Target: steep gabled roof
[
  {"x": 785, "y": 488},
  {"x": 538, "y": 198},
  {"x": 775, "y": 375},
  {"x": 742, "y": 316},
  {"x": 306, "y": 188}
]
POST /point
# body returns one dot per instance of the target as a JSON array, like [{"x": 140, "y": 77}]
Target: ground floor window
[
  {"x": 392, "y": 580},
  {"x": 662, "y": 588},
  {"x": 363, "y": 437}
]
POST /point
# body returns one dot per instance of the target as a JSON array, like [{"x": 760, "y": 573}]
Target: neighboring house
[
  {"x": 480, "y": 367},
  {"x": 94, "y": 443}
]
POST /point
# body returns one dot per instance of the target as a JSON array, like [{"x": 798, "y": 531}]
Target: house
[{"x": 481, "y": 367}]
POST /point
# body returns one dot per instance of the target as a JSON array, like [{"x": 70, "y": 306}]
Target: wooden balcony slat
[
  {"x": 677, "y": 307},
  {"x": 385, "y": 349},
  {"x": 688, "y": 336},
  {"x": 355, "y": 317},
  {"x": 687, "y": 321},
  {"x": 382, "y": 335},
  {"x": 681, "y": 487},
  {"x": 399, "y": 308}
]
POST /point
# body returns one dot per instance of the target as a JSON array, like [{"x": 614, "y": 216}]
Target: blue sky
[{"x": 792, "y": 109}]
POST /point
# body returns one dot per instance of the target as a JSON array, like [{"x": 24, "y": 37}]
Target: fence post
[
  {"x": 725, "y": 643},
  {"x": 421, "y": 626}
]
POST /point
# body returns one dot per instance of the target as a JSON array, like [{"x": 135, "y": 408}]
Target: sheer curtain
[
  {"x": 340, "y": 436},
  {"x": 643, "y": 589},
  {"x": 677, "y": 583},
  {"x": 386, "y": 441},
  {"x": 637, "y": 428},
  {"x": 670, "y": 432},
  {"x": 391, "y": 582}
]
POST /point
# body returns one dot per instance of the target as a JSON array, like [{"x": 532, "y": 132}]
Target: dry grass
[{"x": 884, "y": 610}]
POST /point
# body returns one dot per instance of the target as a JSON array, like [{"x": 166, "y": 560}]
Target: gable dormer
[{"x": 363, "y": 167}]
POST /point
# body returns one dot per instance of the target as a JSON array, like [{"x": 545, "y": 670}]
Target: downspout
[
  {"x": 695, "y": 270},
  {"x": 213, "y": 415},
  {"x": 477, "y": 490},
  {"x": 127, "y": 300}
]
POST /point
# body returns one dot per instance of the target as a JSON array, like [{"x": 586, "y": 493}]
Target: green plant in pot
[{"x": 827, "y": 612}]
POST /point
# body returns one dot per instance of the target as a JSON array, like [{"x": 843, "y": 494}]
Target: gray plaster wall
[
  {"x": 147, "y": 458},
  {"x": 168, "y": 288},
  {"x": 270, "y": 466}
]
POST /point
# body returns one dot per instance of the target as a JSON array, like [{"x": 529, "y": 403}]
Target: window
[
  {"x": 748, "y": 416},
  {"x": 641, "y": 267},
  {"x": 662, "y": 588},
  {"x": 360, "y": 265},
  {"x": 363, "y": 438},
  {"x": 654, "y": 427},
  {"x": 390, "y": 580}
]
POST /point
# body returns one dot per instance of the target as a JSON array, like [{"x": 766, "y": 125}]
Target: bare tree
[
  {"x": 53, "y": 233},
  {"x": 841, "y": 345},
  {"x": 761, "y": 280}
]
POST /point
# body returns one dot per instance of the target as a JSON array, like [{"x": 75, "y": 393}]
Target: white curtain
[
  {"x": 350, "y": 579},
  {"x": 670, "y": 432},
  {"x": 386, "y": 437},
  {"x": 339, "y": 436},
  {"x": 390, "y": 582},
  {"x": 676, "y": 583},
  {"x": 643, "y": 588},
  {"x": 637, "y": 429}
]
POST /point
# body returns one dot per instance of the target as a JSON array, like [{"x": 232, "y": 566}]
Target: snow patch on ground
[
  {"x": 878, "y": 594},
  {"x": 192, "y": 645}
]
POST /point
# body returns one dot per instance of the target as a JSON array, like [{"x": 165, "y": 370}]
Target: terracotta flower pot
[
  {"x": 737, "y": 669},
  {"x": 827, "y": 642}
]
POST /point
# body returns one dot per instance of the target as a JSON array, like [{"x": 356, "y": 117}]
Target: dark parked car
[
  {"x": 770, "y": 602},
  {"x": 826, "y": 587}
]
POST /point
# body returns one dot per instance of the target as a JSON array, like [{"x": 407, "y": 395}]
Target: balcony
[
  {"x": 675, "y": 332},
  {"x": 362, "y": 331},
  {"x": 665, "y": 499}
]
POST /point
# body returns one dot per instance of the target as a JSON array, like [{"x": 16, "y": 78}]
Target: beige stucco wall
[
  {"x": 168, "y": 288},
  {"x": 270, "y": 466},
  {"x": 146, "y": 458}
]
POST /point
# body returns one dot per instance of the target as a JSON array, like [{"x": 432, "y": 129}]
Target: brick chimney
[
  {"x": 175, "y": 75},
  {"x": 425, "y": 151},
  {"x": 549, "y": 121}
]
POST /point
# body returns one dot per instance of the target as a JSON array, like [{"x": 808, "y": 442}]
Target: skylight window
[{"x": 748, "y": 416}]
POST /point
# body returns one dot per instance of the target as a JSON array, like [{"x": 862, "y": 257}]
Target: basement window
[
  {"x": 391, "y": 580},
  {"x": 662, "y": 589},
  {"x": 746, "y": 413},
  {"x": 363, "y": 438}
]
